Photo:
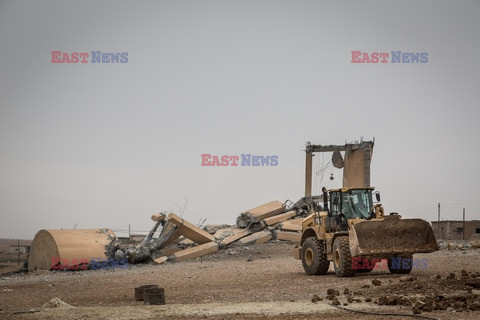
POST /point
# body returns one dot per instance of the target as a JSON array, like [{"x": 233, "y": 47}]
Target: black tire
[
  {"x": 363, "y": 270},
  {"x": 366, "y": 269},
  {"x": 314, "y": 257},
  {"x": 342, "y": 259},
  {"x": 403, "y": 269}
]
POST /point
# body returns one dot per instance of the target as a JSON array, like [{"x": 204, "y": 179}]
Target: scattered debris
[
  {"x": 458, "y": 244},
  {"x": 468, "y": 299},
  {"x": 57, "y": 303},
  {"x": 333, "y": 292},
  {"x": 376, "y": 282}
]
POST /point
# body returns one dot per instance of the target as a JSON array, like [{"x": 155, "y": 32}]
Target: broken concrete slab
[
  {"x": 297, "y": 221},
  {"x": 292, "y": 225},
  {"x": 259, "y": 213},
  {"x": 149, "y": 236},
  {"x": 226, "y": 232},
  {"x": 160, "y": 260},
  {"x": 185, "y": 242},
  {"x": 169, "y": 235},
  {"x": 259, "y": 237},
  {"x": 279, "y": 218},
  {"x": 289, "y": 236},
  {"x": 158, "y": 217},
  {"x": 195, "y": 252},
  {"x": 190, "y": 231},
  {"x": 213, "y": 228},
  {"x": 169, "y": 251},
  {"x": 236, "y": 236}
]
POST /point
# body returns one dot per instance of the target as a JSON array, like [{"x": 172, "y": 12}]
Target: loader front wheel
[
  {"x": 342, "y": 259},
  {"x": 314, "y": 257}
]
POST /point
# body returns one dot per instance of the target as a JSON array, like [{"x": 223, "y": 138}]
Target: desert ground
[{"x": 260, "y": 281}]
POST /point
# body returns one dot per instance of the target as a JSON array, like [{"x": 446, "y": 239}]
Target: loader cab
[{"x": 352, "y": 203}]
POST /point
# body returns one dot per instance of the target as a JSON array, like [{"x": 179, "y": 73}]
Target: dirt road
[{"x": 249, "y": 282}]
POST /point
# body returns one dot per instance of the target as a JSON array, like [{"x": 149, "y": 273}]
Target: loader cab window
[
  {"x": 357, "y": 203},
  {"x": 335, "y": 202}
]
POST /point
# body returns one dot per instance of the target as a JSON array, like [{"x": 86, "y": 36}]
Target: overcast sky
[{"x": 107, "y": 145}]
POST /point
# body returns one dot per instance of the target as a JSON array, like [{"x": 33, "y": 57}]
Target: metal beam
[
  {"x": 308, "y": 174},
  {"x": 320, "y": 148}
]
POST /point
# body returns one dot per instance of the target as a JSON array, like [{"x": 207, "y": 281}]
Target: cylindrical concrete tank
[{"x": 68, "y": 245}]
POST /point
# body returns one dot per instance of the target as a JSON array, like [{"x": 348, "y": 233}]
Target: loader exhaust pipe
[{"x": 325, "y": 199}]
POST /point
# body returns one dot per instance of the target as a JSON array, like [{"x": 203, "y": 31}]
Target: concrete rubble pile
[
  {"x": 458, "y": 244},
  {"x": 175, "y": 239}
]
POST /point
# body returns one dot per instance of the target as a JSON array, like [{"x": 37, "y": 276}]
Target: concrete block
[
  {"x": 279, "y": 218},
  {"x": 169, "y": 251},
  {"x": 297, "y": 221},
  {"x": 259, "y": 213},
  {"x": 195, "y": 252},
  {"x": 158, "y": 217},
  {"x": 189, "y": 230},
  {"x": 160, "y": 260},
  {"x": 259, "y": 237},
  {"x": 292, "y": 225},
  {"x": 289, "y": 236},
  {"x": 236, "y": 236},
  {"x": 185, "y": 241},
  {"x": 266, "y": 210}
]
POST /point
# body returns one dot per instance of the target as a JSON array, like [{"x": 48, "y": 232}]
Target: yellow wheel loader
[{"x": 348, "y": 226}]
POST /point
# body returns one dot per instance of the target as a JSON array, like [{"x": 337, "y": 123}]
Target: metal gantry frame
[{"x": 314, "y": 148}]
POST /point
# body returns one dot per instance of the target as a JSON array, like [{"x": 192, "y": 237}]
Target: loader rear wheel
[
  {"x": 314, "y": 257},
  {"x": 400, "y": 266},
  {"x": 342, "y": 259}
]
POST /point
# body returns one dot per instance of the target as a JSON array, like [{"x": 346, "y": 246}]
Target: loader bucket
[{"x": 391, "y": 236}]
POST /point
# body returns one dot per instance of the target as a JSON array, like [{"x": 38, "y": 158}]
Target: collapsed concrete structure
[{"x": 173, "y": 238}]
